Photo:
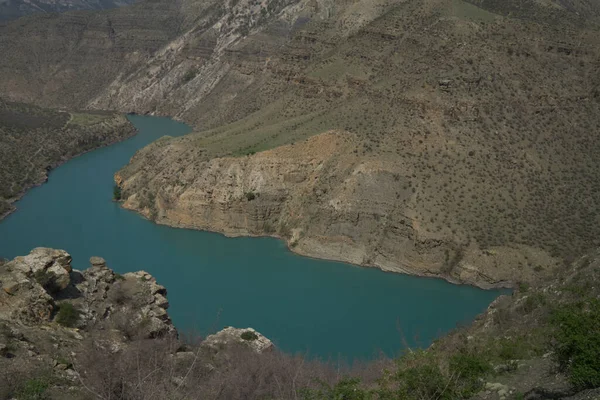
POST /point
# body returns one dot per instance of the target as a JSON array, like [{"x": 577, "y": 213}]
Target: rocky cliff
[{"x": 320, "y": 195}]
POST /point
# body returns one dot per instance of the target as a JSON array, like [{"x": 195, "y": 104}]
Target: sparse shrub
[
  {"x": 118, "y": 294},
  {"x": 532, "y": 302},
  {"x": 189, "y": 75},
  {"x": 249, "y": 336},
  {"x": 67, "y": 315},
  {"x": 250, "y": 196}
]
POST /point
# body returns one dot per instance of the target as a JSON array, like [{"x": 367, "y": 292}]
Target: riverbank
[{"x": 34, "y": 141}]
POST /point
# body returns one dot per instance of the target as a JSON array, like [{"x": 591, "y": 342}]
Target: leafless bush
[{"x": 152, "y": 369}]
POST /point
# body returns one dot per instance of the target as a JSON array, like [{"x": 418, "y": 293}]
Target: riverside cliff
[{"x": 320, "y": 195}]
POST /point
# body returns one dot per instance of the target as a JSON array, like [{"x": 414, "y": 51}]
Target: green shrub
[
  {"x": 523, "y": 286},
  {"x": 423, "y": 382},
  {"x": 67, "y": 315},
  {"x": 250, "y": 196},
  {"x": 249, "y": 336},
  {"x": 33, "y": 389},
  {"x": 578, "y": 342},
  {"x": 468, "y": 370},
  {"x": 512, "y": 349},
  {"x": 189, "y": 75},
  {"x": 46, "y": 279},
  {"x": 117, "y": 193}
]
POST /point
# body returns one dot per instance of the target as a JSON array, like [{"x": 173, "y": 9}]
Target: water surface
[{"x": 323, "y": 308}]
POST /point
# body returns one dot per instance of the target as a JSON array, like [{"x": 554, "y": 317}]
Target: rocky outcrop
[
  {"x": 233, "y": 336},
  {"x": 54, "y": 318},
  {"x": 36, "y": 286}
]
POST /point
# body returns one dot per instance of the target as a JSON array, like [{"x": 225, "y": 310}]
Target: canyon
[{"x": 472, "y": 118}]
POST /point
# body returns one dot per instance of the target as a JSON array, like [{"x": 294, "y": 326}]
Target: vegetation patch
[
  {"x": 577, "y": 338},
  {"x": 33, "y": 389},
  {"x": 249, "y": 336},
  {"x": 46, "y": 279},
  {"x": 250, "y": 196},
  {"x": 117, "y": 193},
  {"x": 68, "y": 315}
]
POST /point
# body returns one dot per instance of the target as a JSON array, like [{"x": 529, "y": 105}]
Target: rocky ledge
[{"x": 51, "y": 315}]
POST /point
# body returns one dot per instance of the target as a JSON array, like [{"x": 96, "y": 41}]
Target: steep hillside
[
  {"x": 34, "y": 140},
  {"x": 12, "y": 9},
  {"x": 473, "y": 123},
  {"x": 473, "y": 151}
]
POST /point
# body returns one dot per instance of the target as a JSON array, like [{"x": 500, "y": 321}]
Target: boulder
[
  {"x": 51, "y": 267},
  {"x": 97, "y": 262}
]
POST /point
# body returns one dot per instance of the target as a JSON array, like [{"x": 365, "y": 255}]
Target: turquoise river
[{"x": 321, "y": 308}]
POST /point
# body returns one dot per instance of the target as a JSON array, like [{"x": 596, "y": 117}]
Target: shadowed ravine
[{"x": 324, "y": 308}]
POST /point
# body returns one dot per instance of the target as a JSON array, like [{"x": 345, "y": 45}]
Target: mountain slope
[
  {"x": 476, "y": 121},
  {"x": 12, "y": 9}
]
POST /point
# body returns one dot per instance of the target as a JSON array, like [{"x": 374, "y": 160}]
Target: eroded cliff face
[{"x": 321, "y": 196}]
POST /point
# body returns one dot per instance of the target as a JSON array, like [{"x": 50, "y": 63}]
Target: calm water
[{"x": 320, "y": 307}]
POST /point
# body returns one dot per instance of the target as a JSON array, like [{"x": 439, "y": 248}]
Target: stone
[
  {"x": 161, "y": 301},
  {"x": 97, "y": 262}
]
